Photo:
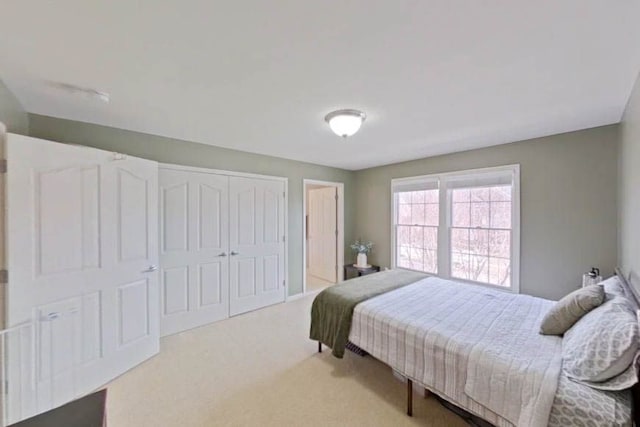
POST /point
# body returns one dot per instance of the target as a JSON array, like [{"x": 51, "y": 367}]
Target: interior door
[
  {"x": 194, "y": 249},
  {"x": 323, "y": 226},
  {"x": 82, "y": 256},
  {"x": 256, "y": 226}
]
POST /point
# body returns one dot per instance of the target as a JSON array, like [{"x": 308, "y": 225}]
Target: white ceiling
[{"x": 432, "y": 76}]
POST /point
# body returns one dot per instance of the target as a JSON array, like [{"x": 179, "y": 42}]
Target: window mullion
[
  {"x": 394, "y": 220},
  {"x": 444, "y": 255}
]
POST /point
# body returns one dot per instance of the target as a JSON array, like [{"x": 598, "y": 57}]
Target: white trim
[
  {"x": 443, "y": 175},
  {"x": 286, "y": 239},
  {"x": 221, "y": 172},
  {"x": 392, "y": 263},
  {"x": 302, "y": 295},
  {"x": 444, "y": 264},
  {"x": 3, "y": 240},
  {"x": 284, "y": 180},
  {"x": 340, "y": 238},
  {"x": 515, "y": 230}
]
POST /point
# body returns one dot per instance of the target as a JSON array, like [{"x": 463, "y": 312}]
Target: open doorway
[{"x": 323, "y": 221}]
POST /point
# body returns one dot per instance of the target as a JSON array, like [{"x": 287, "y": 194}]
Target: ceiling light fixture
[{"x": 345, "y": 123}]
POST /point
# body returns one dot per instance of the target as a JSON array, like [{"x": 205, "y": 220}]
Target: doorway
[{"x": 323, "y": 222}]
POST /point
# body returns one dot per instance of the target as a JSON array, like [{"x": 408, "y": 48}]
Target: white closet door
[
  {"x": 82, "y": 240},
  {"x": 256, "y": 225},
  {"x": 323, "y": 233},
  {"x": 194, "y": 249}
]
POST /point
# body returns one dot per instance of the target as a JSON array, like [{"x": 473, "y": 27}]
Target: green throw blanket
[{"x": 332, "y": 310}]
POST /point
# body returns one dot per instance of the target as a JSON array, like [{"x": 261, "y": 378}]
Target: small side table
[{"x": 351, "y": 271}]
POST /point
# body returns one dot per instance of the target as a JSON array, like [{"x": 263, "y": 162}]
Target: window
[
  {"x": 481, "y": 234},
  {"x": 417, "y": 230},
  {"x": 461, "y": 225}
]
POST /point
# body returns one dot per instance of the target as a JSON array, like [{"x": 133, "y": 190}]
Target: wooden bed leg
[
  {"x": 319, "y": 347},
  {"x": 427, "y": 393},
  {"x": 409, "y": 397}
]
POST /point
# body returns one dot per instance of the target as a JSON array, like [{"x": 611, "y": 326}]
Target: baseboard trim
[{"x": 302, "y": 295}]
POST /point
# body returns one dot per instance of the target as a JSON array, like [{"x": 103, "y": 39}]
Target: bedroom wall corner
[
  {"x": 15, "y": 118},
  {"x": 629, "y": 189}
]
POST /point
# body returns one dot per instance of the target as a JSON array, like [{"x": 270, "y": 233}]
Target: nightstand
[{"x": 351, "y": 271}]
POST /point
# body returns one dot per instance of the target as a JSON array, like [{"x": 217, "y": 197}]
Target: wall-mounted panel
[
  {"x": 59, "y": 329},
  {"x": 246, "y": 221},
  {"x": 175, "y": 285},
  {"x": 91, "y": 217},
  {"x": 246, "y": 273},
  {"x": 270, "y": 217},
  {"x": 175, "y": 211},
  {"x": 133, "y": 311},
  {"x": 271, "y": 265},
  {"x": 67, "y": 220},
  {"x": 132, "y": 202},
  {"x": 209, "y": 217},
  {"x": 91, "y": 342},
  {"x": 210, "y": 285}
]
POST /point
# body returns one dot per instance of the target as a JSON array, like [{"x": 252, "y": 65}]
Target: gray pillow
[
  {"x": 566, "y": 312},
  {"x": 602, "y": 344}
]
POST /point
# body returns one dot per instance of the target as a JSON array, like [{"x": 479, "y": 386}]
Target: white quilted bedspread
[{"x": 477, "y": 347}]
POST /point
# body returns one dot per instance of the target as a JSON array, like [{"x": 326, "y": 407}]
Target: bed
[{"x": 477, "y": 348}]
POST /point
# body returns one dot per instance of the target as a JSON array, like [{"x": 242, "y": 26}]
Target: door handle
[
  {"x": 151, "y": 269},
  {"x": 233, "y": 253},
  {"x": 50, "y": 317},
  {"x": 223, "y": 254}
]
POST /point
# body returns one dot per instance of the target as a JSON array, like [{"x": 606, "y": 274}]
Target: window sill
[{"x": 509, "y": 289}]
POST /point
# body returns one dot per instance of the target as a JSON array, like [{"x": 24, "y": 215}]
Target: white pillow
[
  {"x": 623, "y": 381},
  {"x": 612, "y": 287},
  {"x": 602, "y": 344}
]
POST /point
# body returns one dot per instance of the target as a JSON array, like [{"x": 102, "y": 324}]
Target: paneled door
[
  {"x": 194, "y": 246},
  {"x": 82, "y": 261},
  {"x": 256, "y": 227},
  {"x": 323, "y": 233}
]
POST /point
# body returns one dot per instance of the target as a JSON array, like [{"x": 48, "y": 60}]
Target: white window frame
[{"x": 444, "y": 227}]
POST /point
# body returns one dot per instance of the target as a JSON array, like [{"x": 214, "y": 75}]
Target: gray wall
[
  {"x": 568, "y": 204},
  {"x": 188, "y": 153},
  {"x": 11, "y": 112},
  {"x": 568, "y": 196},
  {"x": 629, "y": 189}
]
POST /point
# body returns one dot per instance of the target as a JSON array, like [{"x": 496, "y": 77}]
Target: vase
[{"x": 362, "y": 260}]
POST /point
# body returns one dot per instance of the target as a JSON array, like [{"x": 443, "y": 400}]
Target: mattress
[{"x": 385, "y": 327}]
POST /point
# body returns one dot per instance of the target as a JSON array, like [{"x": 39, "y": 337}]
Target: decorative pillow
[
  {"x": 566, "y": 312},
  {"x": 624, "y": 381},
  {"x": 602, "y": 344}
]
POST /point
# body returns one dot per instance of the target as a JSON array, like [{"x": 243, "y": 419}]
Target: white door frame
[
  {"x": 3, "y": 236},
  {"x": 340, "y": 238}
]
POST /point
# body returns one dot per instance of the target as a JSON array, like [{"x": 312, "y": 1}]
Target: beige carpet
[
  {"x": 316, "y": 284},
  {"x": 260, "y": 369}
]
